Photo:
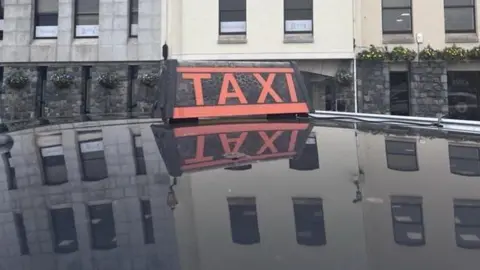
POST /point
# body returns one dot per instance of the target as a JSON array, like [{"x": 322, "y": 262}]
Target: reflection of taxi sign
[{"x": 231, "y": 89}]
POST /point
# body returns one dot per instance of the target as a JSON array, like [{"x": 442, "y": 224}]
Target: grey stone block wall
[
  {"x": 428, "y": 89},
  {"x": 63, "y": 102},
  {"x": 109, "y": 101},
  {"x": 373, "y": 87},
  {"x": 19, "y": 104},
  {"x": 123, "y": 189},
  {"x": 144, "y": 97}
]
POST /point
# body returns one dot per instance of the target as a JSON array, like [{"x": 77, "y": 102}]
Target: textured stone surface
[
  {"x": 20, "y": 104},
  {"x": 109, "y": 101},
  {"x": 144, "y": 97},
  {"x": 63, "y": 102},
  {"x": 373, "y": 87},
  {"x": 429, "y": 91}
]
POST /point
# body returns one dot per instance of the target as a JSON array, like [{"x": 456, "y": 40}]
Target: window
[
  {"x": 464, "y": 160},
  {"x": 102, "y": 226},
  {"x": 467, "y": 223},
  {"x": 64, "y": 231},
  {"x": 309, "y": 221},
  {"x": 1, "y": 79},
  {"x": 132, "y": 88},
  {"x": 308, "y": 159},
  {"x": 460, "y": 16},
  {"x": 86, "y": 86},
  {"x": 243, "y": 221},
  {"x": 233, "y": 17},
  {"x": 133, "y": 18},
  {"x": 140, "y": 166},
  {"x": 53, "y": 159},
  {"x": 463, "y": 97},
  {"x": 21, "y": 233},
  {"x": 2, "y": 10},
  {"x": 298, "y": 16},
  {"x": 86, "y": 18},
  {"x": 46, "y": 18},
  {"x": 9, "y": 171},
  {"x": 399, "y": 93},
  {"x": 401, "y": 155},
  {"x": 146, "y": 210},
  {"x": 41, "y": 86},
  {"x": 407, "y": 216},
  {"x": 92, "y": 156},
  {"x": 397, "y": 16}
]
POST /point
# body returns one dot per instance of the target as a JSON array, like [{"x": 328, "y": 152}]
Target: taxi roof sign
[{"x": 209, "y": 89}]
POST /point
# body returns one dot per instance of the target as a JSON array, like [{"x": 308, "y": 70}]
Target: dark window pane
[
  {"x": 147, "y": 221},
  {"x": 463, "y": 152},
  {"x": 468, "y": 237},
  {"x": 102, "y": 226},
  {"x": 308, "y": 160},
  {"x": 87, "y": 6},
  {"x": 462, "y": 94},
  {"x": 233, "y": 16},
  {"x": 398, "y": 147},
  {"x": 459, "y": 19},
  {"x": 397, "y": 21},
  {"x": 399, "y": 93},
  {"x": 467, "y": 215},
  {"x": 233, "y": 5},
  {"x": 47, "y": 19},
  {"x": 87, "y": 19},
  {"x": 64, "y": 231},
  {"x": 407, "y": 221},
  {"x": 309, "y": 222},
  {"x": 409, "y": 234},
  {"x": 134, "y": 18},
  {"x": 21, "y": 234},
  {"x": 243, "y": 220},
  {"x": 298, "y": 4},
  {"x": 465, "y": 167},
  {"x": 93, "y": 160},
  {"x": 409, "y": 213},
  {"x": 402, "y": 162},
  {"x": 396, "y": 3},
  {"x": 134, "y": 5},
  {"x": 46, "y": 6},
  {"x": 450, "y": 3},
  {"x": 304, "y": 14}
]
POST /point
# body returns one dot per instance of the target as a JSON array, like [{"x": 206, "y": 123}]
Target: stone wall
[
  {"x": 373, "y": 87},
  {"x": 428, "y": 89},
  {"x": 19, "y": 104},
  {"x": 109, "y": 101},
  {"x": 144, "y": 97},
  {"x": 63, "y": 102}
]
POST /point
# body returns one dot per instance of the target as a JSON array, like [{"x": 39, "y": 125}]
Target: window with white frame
[
  {"x": 233, "y": 17},
  {"x": 460, "y": 16},
  {"x": 298, "y": 16},
  {"x": 133, "y": 18},
  {"x": 46, "y": 19},
  {"x": 86, "y": 18}
]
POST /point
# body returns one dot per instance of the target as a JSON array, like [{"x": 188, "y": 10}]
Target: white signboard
[
  {"x": 233, "y": 27},
  {"x": 52, "y": 151},
  {"x": 311, "y": 141},
  {"x": 134, "y": 29},
  {"x": 46, "y": 31},
  {"x": 298, "y": 26},
  {"x": 87, "y": 147},
  {"x": 86, "y": 30}
]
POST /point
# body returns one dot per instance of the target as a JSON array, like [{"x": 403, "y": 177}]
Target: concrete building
[{"x": 86, "y": 197}]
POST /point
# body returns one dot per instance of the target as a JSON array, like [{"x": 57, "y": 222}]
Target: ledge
[
  {"x": 461, "y": 38},
  {"x": 398, "y": 39},
  {"x": 232, "y": 39},
  {"x": 298, "y": 38}
]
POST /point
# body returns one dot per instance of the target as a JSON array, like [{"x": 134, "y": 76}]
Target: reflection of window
[
  {"x": 21, "y": 233},
  {"x": 460, "y": 16},
  {"x": 53, "y": 159},
  {"x": 41, "y": 87},
  {"x": 243, "y": 220},
  {"x": 9, "y": 171},
  {"x": 401, "y": 155},
  {"x": 308, "y": 159},
  {"x": 86, "y": 18},
  {"x": 139, "y": 157},
  {"x": 86, "y": 86},
  {"x": 46, "y": 18},
  {"x": 102, "y": 226},
  {"x": 93, "y": 156},
  {"x": 133, "y": 95},
  {"x": 64, "y": 231},
  {"x": 133, "y": 18},
  {"x": 399, "y": 93},
  {"x": 233, "y": 17},
  {"x": 309, "y": 221},
  {"x": 2, "y": 5},
  {"x": 467, "y": 223},
  {"x": 298, "y": 15},
  {"x": 146, "y": 210},
  {"x": 407, "y": 218},
  {"x": 397, "y": 16},
  {"x": 464, "y": 160}
]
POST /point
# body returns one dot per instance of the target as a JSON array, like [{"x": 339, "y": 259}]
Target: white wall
[{"x": 198, "y": 23}]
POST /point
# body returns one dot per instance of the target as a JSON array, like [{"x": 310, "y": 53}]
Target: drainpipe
[{"x": 355, "y": 90}]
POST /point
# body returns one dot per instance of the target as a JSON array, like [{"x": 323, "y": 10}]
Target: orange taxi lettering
[
  {"x": 269, "y": 142},
  {"x": 197, "y": 84},
  {"x": 199, "y": 153},
  {"x": 238, "y": 142},
  {"x": 267, "y": 88},
  {"x": 229, "y": 79}
]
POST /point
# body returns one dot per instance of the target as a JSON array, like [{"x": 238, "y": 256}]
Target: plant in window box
[
  {"x": 400, "y": 54},
  {"x": 149, "y": 79},
  {"x": 62, "y": 79},
  {"x": 430, "y": 54},
  {"x": 108, "y": 80},
  {"x": 454, "y": 53},
  {"x": 344, "y": 77},
  {"x": 17, "y": 79},
  {"x": 474, "y": 53},
  {"x": 372, "y": 54}
]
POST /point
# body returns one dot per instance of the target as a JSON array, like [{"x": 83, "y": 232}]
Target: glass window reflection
[
  {"x": 464, "y": 160},
  {"x": 309, "y": 221},
  {"x": 64, "y": 230},
  {"x": 401, "y": 155},
  {"x": 407, "y": 216},
  {"x": 93, "y": 156},
  {"x": 243, "y": 220},
  {"x": 102, "y": 226},
  {"x": 467, "y": 223}
]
